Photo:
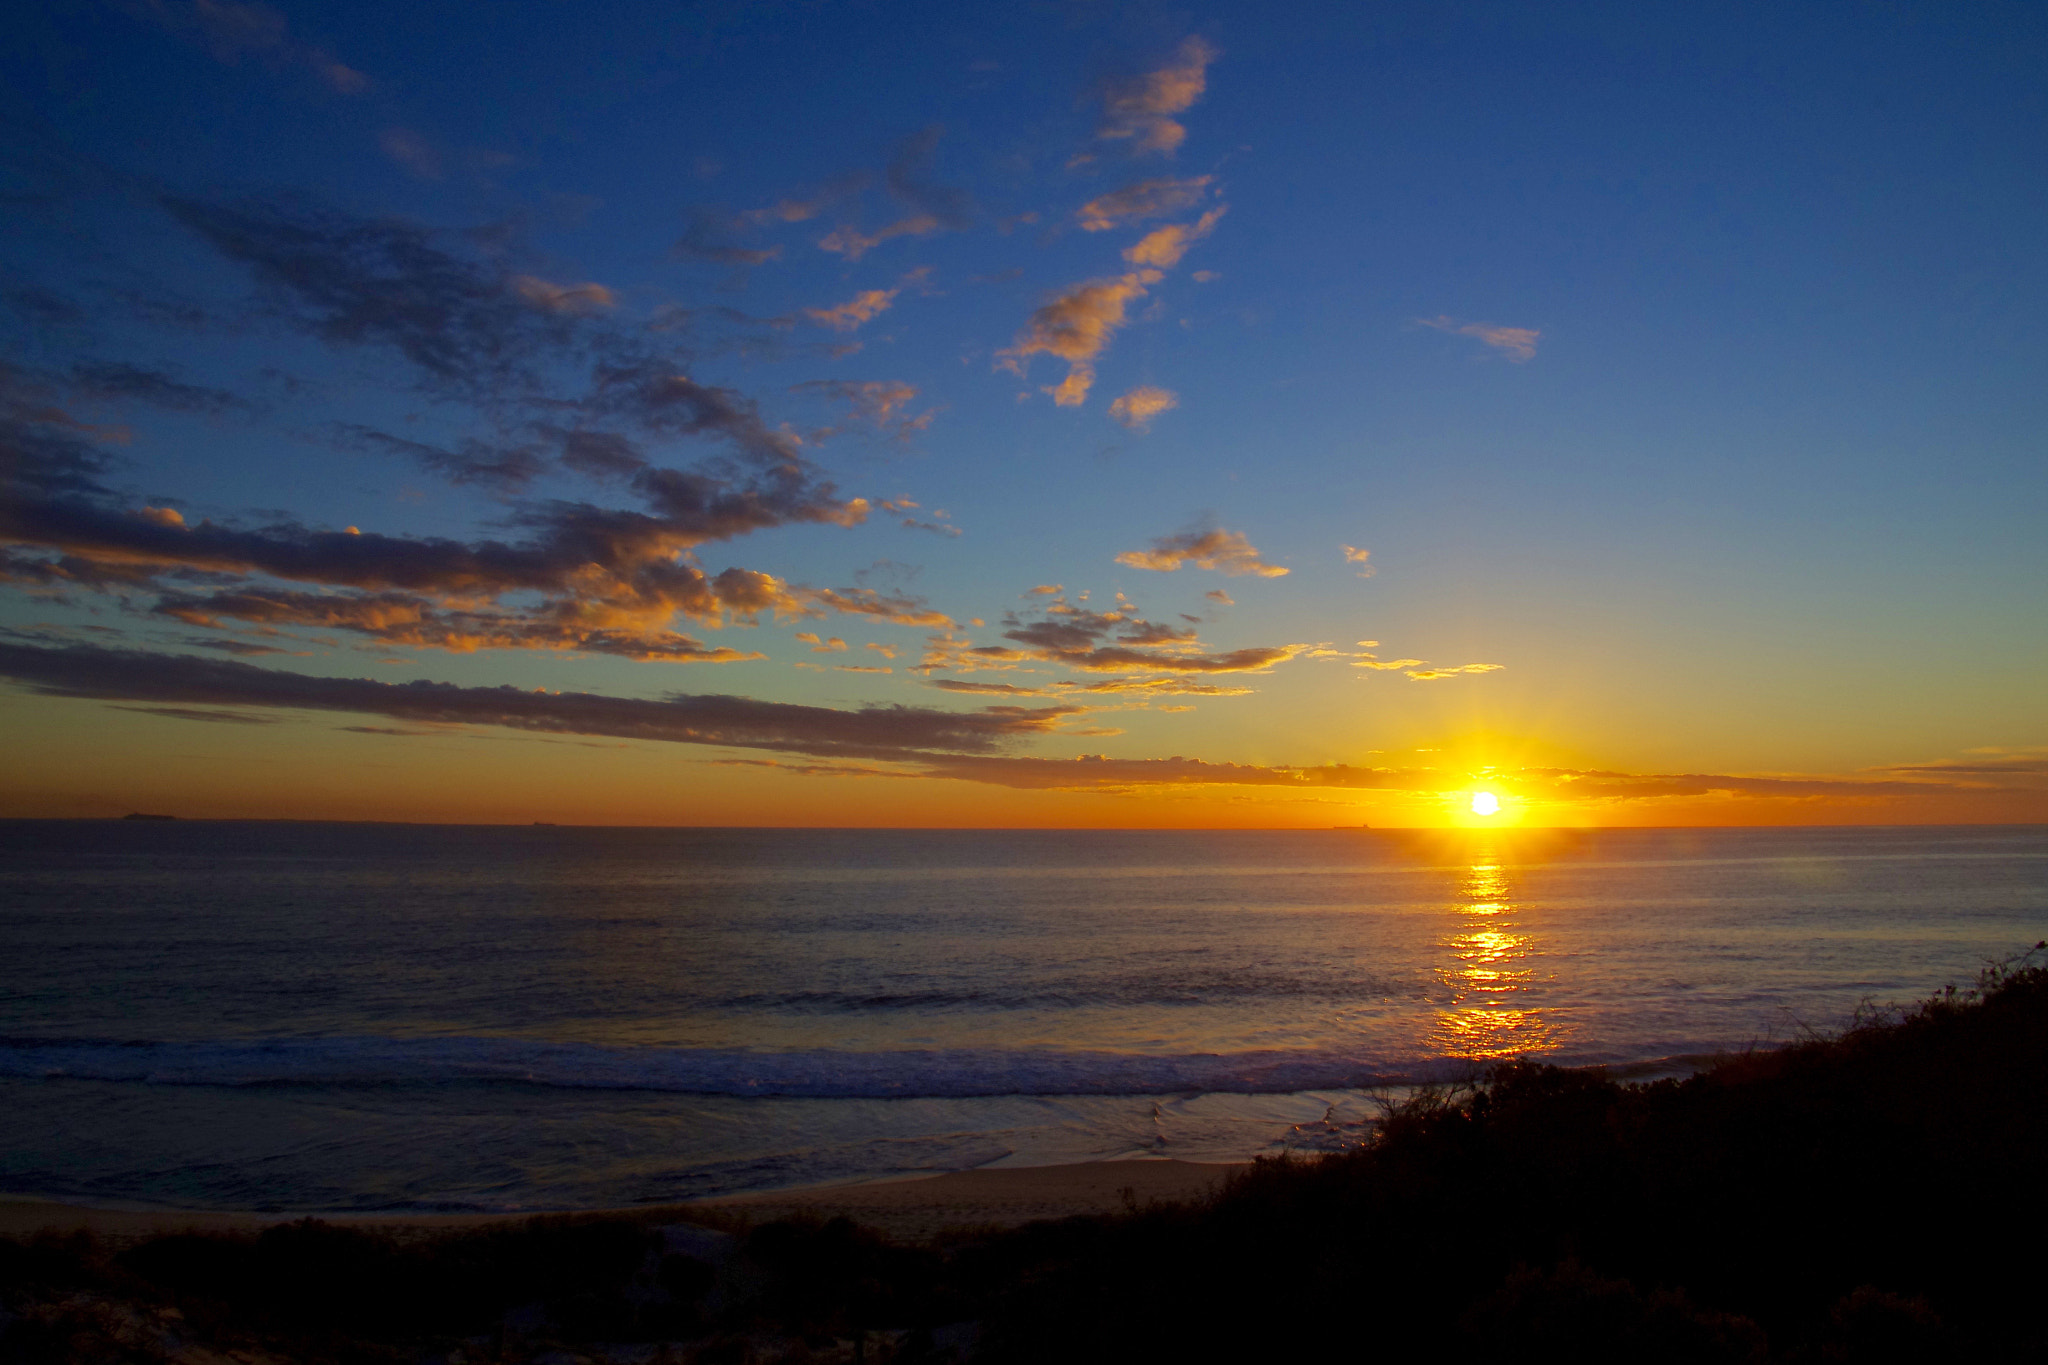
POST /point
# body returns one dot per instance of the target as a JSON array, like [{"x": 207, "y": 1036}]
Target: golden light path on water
[{"x": 1489, "y": 972}]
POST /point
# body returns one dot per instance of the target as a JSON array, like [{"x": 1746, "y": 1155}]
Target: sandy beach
[{"x": 913, "y": 1208}]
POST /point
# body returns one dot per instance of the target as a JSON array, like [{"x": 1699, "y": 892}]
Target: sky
[{"x": 1052, "y": 414}]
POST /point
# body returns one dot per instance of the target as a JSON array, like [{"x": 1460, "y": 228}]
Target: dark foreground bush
[{"x": 1872, "y": 1197}]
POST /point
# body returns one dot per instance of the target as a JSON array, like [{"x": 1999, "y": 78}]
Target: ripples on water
[{"x": 401, "y": 1016}]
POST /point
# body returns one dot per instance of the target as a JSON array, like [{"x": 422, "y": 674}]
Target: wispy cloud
[
  {"x": 563, "y": 298},
  {"x": 1076, "y": 327},
  {"x": 711, "y": 236},
  {"x": 234, "y": 32},
  {"x": 413, "y": 152},
  {"x": 849, "y": 241},
  {"x": 865, "y": 306},
  {"x": 1224, "y": 551},
  {"x": 1145, "y": 199},
  {"x": 504, "y": 346},
  {"x": 1137, "y": 408},
  {"x": 1162, "y": 248},
  {"x": 1362, "y": 558},
  {"x": 1140, "y": 109},
  {"x": 91, "y": 672},
  {"x": 1518, "y": 343},
  {"x": 1073, "y": 635},
  {"x": 883, "y": 403},
  {"x": 805, "y": 209},
  {"x": 932, "y": 207},
  {"x": 1432, "y": 674}
]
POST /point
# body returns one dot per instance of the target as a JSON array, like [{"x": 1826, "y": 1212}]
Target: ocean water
[{"x": 361, "y": 1017}]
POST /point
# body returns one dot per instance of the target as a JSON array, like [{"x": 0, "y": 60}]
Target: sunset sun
[{"x": 1485, "y": 803}]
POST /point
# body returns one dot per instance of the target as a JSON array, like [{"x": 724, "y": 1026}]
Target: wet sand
[{"x": 912, "y": 1208}]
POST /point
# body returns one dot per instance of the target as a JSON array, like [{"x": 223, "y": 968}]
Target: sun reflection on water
[{"x": 1489, "y": 1013}]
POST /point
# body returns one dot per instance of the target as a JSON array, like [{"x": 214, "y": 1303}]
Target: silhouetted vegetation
[{"x": 1871, "y": 1197}]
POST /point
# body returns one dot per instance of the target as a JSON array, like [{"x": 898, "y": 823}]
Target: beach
[{"x": 911, "y": 1209}]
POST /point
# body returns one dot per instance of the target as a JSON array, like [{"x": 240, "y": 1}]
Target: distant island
[{"x": 139, "y": 815}]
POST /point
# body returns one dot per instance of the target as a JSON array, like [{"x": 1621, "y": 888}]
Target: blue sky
[{"x": 1680, "y": 363}]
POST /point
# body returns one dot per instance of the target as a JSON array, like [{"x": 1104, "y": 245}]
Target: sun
[{"x": 1485, "y": 803}]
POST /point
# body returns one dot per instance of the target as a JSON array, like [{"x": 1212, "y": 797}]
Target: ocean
[{"x": 327, "y": 1017}]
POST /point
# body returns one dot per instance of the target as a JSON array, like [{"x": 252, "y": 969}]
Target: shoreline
[{"x": 915, "y": 1207}]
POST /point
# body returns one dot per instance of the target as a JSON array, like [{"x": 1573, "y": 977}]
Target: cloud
[
  {"x": 91, "y": 672},
  {"x": 460, "y": 320},
  {"x": 709, "y": 236},
  {"x": 1431, "y": 674},
  {"x": 234, "y": 31},
  {"x": 835, "y": 645},
  {"x": 245, "y": 648},
  {"x": 1077, "y": 327},
  {"x": 883, "y": 402},
  {"x": 1145, "y": 199},
  {"x": 803, "y": 210},
  {"x": 989, "y": 689},
  {"x": 850, "y": 242},
  {"x": 413, "y": 152},
  {"x": 583, "y": 578},
  {"x": 1157, "y": 687},
  {"x": 1225, "y": 551},
  {"x": 408, "y": 619},
  {"x": 1139, "y": 109},
  {"x": 1518, "y": 342},
  {"x": 932, "y": 207},
  {"x": 908, "y": 178},
  {"x": 862, "y": 307},
  {"x": 1362, "y": 558},
  {"x": 1073, "y": 636},
  {"x": 905, "y": 611},
  {"x": 922, "y": 741},
  {"x": 1137, "y": 408},
  {"x": 563, "y": 298},
  {"x": 120, "y": 382},
  {"x": 474, "y": 462},
  {"x": 1220, "y": 597},
  {"x": 192, "y": 713},
  {"x": 1162, "y": 248}
]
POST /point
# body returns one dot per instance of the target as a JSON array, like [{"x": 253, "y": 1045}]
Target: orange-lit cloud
[
  {"x": 1137, "y": 408},
  {"x": 1362, "y": 558},
  {"x": 563, "y": 298},
  {"x": 1224, "y": 551},
  {"x": 1077, "y": 327},
  {"x": 1162, "y": 248},
  {"x": 862, "y": 307},
  {"x": 1137, "y": 202},
  {"x": 882, "y": 402},
  {"x": 1519, "y": 343},
  {"x": 1432, "y": 674},
  {"x": 1140, "y": 109}
]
